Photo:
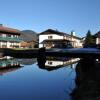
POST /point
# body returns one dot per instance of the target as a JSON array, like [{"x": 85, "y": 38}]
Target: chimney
[{"x": 73, "y": 33}]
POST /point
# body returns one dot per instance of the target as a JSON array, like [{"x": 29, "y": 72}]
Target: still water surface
[{"x": 26, "y": 81}]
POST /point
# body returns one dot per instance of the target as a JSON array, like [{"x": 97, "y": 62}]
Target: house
[
  {"x": 93, "y": 41},
  {"x": 53, "y": 63},
  {"x": 60, "y": 61},
  {"x": 9, "y": 37},
  {"x": 96, "y": 38},
  {"x": 55, "y": 39},
  {"x": 76, "y": 41},
  {"x": 28, "y": 44}
]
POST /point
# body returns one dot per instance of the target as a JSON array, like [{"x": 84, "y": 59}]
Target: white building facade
[
  {"x": 9, "y": 38},
  {"x": 51, "y": 38},
  {"x": 57, "y": 63},
  {"x": 48, "y": 37}
]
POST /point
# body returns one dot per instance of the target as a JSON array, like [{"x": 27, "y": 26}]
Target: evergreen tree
[{"x": 88, "y": 40}]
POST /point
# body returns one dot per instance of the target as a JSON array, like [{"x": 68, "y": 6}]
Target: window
[
  {"x": 3, "y": 35},
  {"x": 50, "y": 63},
  {"x": 49, "y": 37},
  {"x": 9, "y": 35}
]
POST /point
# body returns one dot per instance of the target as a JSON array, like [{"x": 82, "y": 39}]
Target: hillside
[{"x": 29, "y": 35}]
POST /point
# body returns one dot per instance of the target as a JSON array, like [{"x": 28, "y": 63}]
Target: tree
[{"x": 88, "y": 40}]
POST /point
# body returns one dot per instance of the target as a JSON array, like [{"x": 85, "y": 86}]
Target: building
[
  {"x": 76, "y": 42},
  {"x": 29, "y": 44},
  {"x": 9, "y": 38},
  {"x": 55, "y": 39},
  {"x": 96, "y": 38},
  {"x": 52, "y": 38},
  {"x": 60, "y": 61},
  {"x": 54, "y": 63},
  {"x": 93, "y": 40}
]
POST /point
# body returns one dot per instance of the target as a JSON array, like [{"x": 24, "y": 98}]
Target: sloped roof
[
  {"x": 97, "y": 34},
  {"x": 9, "y": 30},
  {"x": 51, "y": 31},
  {"x": 77, "y": 37}
]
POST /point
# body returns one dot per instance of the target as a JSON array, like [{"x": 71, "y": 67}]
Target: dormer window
[{"x": 49, "y": 37}]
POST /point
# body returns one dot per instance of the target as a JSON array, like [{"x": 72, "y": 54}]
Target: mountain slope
[{"x": 29, "y": 35}]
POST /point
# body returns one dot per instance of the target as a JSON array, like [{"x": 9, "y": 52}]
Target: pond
[{"x": 24, "y": 79}]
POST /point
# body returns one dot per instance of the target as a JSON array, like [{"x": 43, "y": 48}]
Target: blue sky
[{"x": 63, "y": 15}]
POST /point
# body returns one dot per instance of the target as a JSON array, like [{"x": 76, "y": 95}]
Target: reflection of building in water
[
  {"x": 58, "y": 62},
  {"x": 8, "y": 65},
  {"x": 73, "y": 65},
  {"x": 61, "y": 61},
  {"x": 28, "y": 61}
]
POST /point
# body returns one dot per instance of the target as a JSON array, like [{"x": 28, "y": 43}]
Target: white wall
[
  {"x": 54, "y": 63},
  {"x": 40, "y": 45},
  {"x": 19, "y": 45},
  {"x": 57, "y": 63},
  {"x": 44, "y": 37},
  {"x": 77, "y": 42},
  {"x": 2, "y": 43},
  {"x": 97, "y": 41},
  {"x": 8, "y": 44}
]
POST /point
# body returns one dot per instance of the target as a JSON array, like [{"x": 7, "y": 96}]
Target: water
[{"x": 23, "y": 79}]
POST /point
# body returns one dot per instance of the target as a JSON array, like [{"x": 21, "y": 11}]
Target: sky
[{"x": 63, "y": 15}]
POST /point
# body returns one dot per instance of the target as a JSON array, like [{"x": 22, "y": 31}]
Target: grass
[{"x": 24, "y": 48}]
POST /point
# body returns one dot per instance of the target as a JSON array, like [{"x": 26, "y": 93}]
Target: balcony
[{"x": 10, "y": 39}]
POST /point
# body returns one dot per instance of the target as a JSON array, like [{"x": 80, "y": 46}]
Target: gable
[{"x": 50, "y": 31}]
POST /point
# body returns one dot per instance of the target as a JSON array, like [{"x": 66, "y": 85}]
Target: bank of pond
[{"x": 86, "y": 70}]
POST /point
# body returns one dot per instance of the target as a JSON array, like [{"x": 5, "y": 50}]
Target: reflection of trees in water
[
  {"x": 85, "y": 72},
  {"x": 53, "y": 63},
  {"x": 83, "y": 68},
  {"x": 41, "y": 59},
  {"x": 9, "y": 69}
]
